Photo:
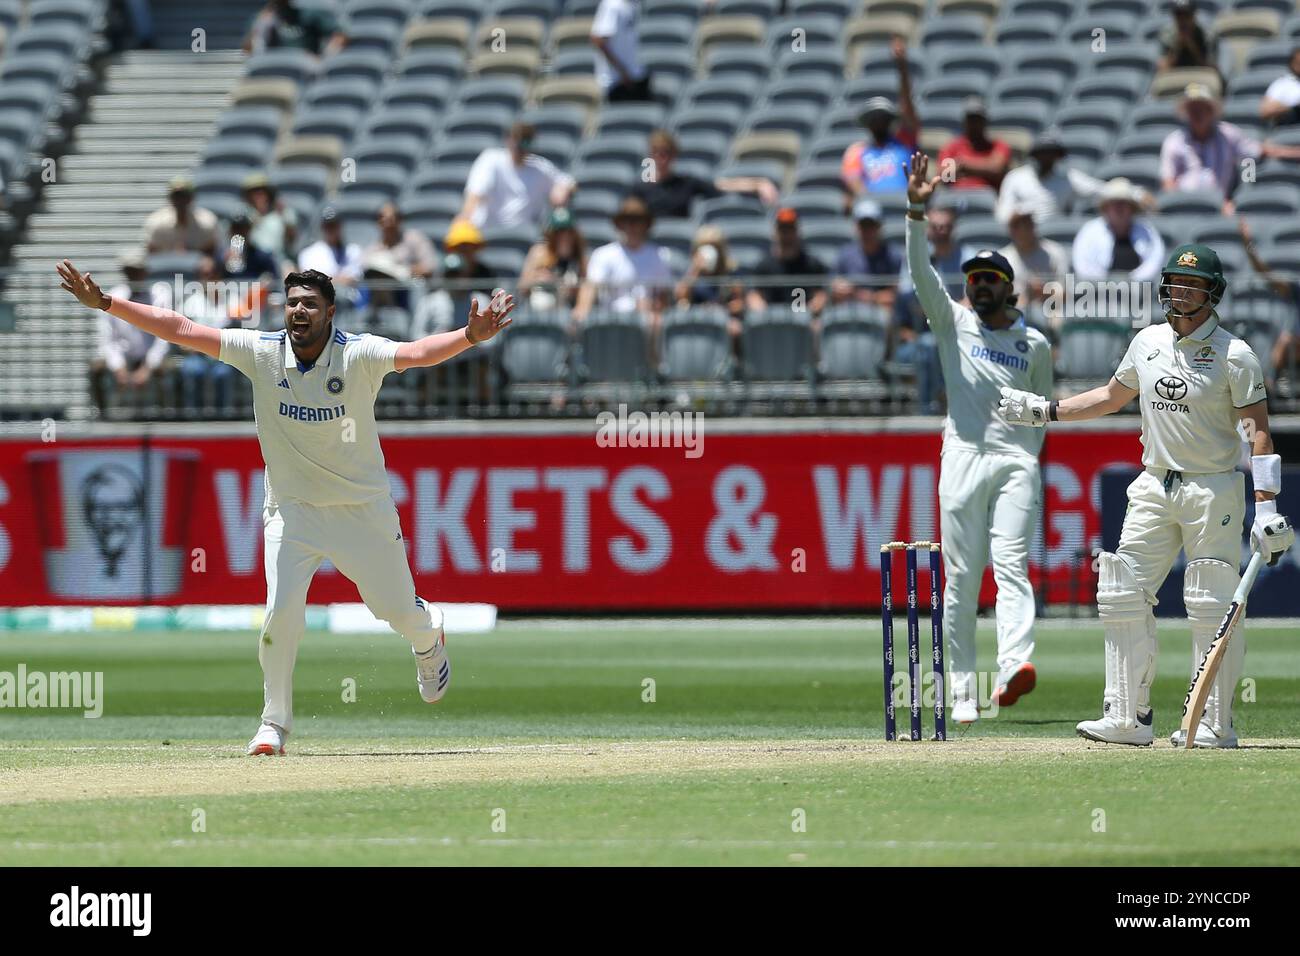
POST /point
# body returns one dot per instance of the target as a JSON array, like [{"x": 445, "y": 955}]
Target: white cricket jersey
[
  {"x": 316, "y": 425},
  {"x": 1190, "y": 389},
  {"x": 977, "y": 361}
]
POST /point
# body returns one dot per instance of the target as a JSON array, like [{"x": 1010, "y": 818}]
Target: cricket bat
[{"x": 1203, "y": 680}]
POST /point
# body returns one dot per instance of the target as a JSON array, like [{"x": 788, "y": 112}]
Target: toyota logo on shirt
[{"x": 1171, "y": 389}]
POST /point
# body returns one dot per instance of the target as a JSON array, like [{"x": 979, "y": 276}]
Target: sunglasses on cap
[{"x": 984, "y": 277}]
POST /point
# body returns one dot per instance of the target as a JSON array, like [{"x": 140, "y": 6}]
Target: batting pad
[
  {"x": 1208, "y": 585},
  {"x": 1119, "y": 597}
]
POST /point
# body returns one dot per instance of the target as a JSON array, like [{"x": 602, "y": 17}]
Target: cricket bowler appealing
[
  {"x": 1195, "y": 381},
  {"x": 327, "y": 493},
  {"x": 989, "y": 483}
]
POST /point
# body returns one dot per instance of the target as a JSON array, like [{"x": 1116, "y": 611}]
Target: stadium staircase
[{"x": 146, "y": 123}]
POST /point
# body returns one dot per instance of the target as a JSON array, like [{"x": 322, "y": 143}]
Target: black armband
[{"x": 1052, "y": 411}]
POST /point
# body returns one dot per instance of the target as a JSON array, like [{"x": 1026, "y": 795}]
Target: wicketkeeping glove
[
  {"x": 1022, "y": 408},
  {"x": 1271, "y": 534}
]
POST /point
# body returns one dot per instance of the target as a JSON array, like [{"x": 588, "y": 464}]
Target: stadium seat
[
  {"x": 1029, "y": 116},
  {"x": 722, "y": 31},
  {"x": 854, "y": 340},
  {"x": 1243, "y": 112},
  {"x": 954, "y": 31},
  {"x": 987, "y": 9},
  {"x": 244, "y": 152},
  {"x": 723, "y": 119},
  {"x": 819, "y": 65},
  {"x": 469, "y": 10},
  {"x": 777, "y": 345},
  {"x": 1063, "y": 229},
  {"x": 1041, "y": 87},
  {"x": 435, "y": 64},
  {"x": 678, "y": 8},
  {"x": 1059, "y": 9},
  {"x": 979, "y": 60},
  {"x": 1135, "y": 56},
  {"x": 1203, "y": 202},
  {"x": 338, "y": 122},
  {"x": 498, "y": 93},
  {"x": 574, "y": 62},
  {"x": 543, "y": 10},
  {"x": 1278, "y": 171},
  {"x": 367, "y": 64},
  {"x": 675, "y": 234},
  {"x": 413, "y": 121},
  {"x": 1051, "y": 58},
  {"x": 396, "y": 150},
  {"x": 841, "y": 10},
  {"x": 1079, "y": 116},
  {"x": 281, "y": 63},
  {"x": 302, "y": 187},
  {"x": 703, "y": 147},
  {"x": 1091, "y": 348},
  {"x": 1027, "y": 29},
  {"x": 518, "y": 65},
  {"x": 707, "y": 92},
  {"x": 739, "y": 64},
  {"x": 568, "y": 122},
  {"x": 982, "y": 231},
  {"x": 630, "y": 119},
  {"x": 829, "y": 147},
  {"x": 696, "y": 345},
  {"x": 1170, "y": 84},
  {"x": 876, "y": 63},
  {"x": 423, "y": 93},
  {"x": 478, "y": 120},
  {"x": 800, "y": 120},
  {"x": 824, "y": 175},
  {"x": 444, "y": 34},
  {"x": 380, "y": 35},
  {"x": 613, "y": 348},
  {"x": 515, "y": 32},
  {"x": 864, "y": 33},
  {"x": 1258, "y": 200},
  {"x": 953, "y": 87},
  {"x": 824, "y": 238},
  {"x": 1154, "y": 116},
  {"x": 626, "y": 149},
  {"x": 664, "y": 29},
  {"x": 537, "y": 348},
  {"x": 579, "y": 91},
  {"x": 1141, "y": 142}
]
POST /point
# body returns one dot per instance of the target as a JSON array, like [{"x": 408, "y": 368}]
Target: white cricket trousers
[
  {"x": 987, "y": 502},
  {"x": 1201, "y": 513},
  {"x": 364, "y": 542}
]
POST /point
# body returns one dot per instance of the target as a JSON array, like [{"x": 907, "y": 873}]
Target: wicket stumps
[{"x": 913, "y": 636}]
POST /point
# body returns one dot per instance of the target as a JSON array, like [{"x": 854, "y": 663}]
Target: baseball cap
[
  {"x": 973, "y": 106},
  {"x": 329, "y": 214},
  {"x": 559, "y": 219},
  {"x": 462, "y": 233},
  {"x": 256, "y": 181},
  {"x": 787, "y": 216},
  {"x": 989, "y": 260},
  {"x": 180, "y": 184},
  {"x": 1048, "y": 141},
  {"x": 867, "y": 209},
  {"x": 877, "y": 104}
]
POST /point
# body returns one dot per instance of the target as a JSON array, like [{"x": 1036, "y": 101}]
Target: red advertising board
[{"x": 775, "y": 520}]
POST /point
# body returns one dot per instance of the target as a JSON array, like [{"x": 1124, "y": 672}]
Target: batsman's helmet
[{"x": 1192, "y": 259}]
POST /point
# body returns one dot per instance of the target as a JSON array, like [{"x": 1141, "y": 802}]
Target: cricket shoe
[
  {"x": 267, "y": 742},
  {"x": 1108, "y": 730},
  {"x": 433, "y": 670},
  {"x": 965, "y": 711},
  {"x": 1206, "y": 738},
  {"x": 1014, "y": 684}
]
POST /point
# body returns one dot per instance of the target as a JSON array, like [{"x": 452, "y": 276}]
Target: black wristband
[{"x": 1051, "y": 411}]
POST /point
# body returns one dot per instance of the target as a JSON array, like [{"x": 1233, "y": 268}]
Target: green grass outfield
[{"x": 544, "y": 752}]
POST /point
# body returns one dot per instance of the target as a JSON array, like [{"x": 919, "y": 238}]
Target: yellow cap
[{"x": 462, "y": 234}]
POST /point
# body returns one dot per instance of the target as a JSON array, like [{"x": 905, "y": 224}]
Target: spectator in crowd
[
  {"x": 337, "y": 258},
  {"x": 180, "y": 226},
  {"x": 1286, "y": 347},
  {"x": 788, "y": 260},
  {"x": 464, "y": 276},
  {"x": 1184, "y": 42},
  {"x": 131, "y": 356},
  {"x": 1034, "y": 262},
  {"x": 711, "y": 277},
  {"x": 1281, "y": 102},
  {"x": 1118, "y": 242},
  {"x": 1049, "y": 188},
  {"x": 867, "y": 268},
  {"x": 878, "y": 164},
  {"x": 619, "y": 71},
  {"x": 282, "y": 24},
  {"x": 554, "y": 268},
  {"x": 913, "y": 341},
  {"x": 511, "y": 186},
  {"x": 409, "y": 248},
  {"x": 243, "y": 258},
  {"x": 630, "y": 274},
  {"x": 275, "y": 225},
  {"x": 976, "y": 161},
  {"x": 208, "y": 304},
  {"x": 670, "y": 195},
  {"x": 130, "y": 25},
  {"x": 1206, "y": 153}
]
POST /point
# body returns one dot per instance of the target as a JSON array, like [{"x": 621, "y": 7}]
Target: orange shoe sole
[
  {"x": 1022, "y": 682},
  {"x": 264, "y": 750}
]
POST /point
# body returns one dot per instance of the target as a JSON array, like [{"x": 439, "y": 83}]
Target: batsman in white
[
  {"x": 989, "y": 483},
  {"x": 1195, "y": 381},
  {"x": 327, "y": 493}
]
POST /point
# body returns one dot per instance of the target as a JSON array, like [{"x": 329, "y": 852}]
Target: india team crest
[{"x": 334, "y": 385}]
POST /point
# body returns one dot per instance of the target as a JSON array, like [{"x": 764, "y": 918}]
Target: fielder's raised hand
[
  {"x": 1017, "y": 407},
  {"x": 82, "y": 286},
  {"x": 920, "y": 187},
  {"x": 483, "y": 325}
]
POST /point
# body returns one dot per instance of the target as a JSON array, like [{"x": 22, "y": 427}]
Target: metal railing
[{"x": 848, "y": 357}]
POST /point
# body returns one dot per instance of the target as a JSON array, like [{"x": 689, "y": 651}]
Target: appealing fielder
[
  {"x": 989, "y": 486},
  {"x": 327, "y": 493},
  {"x": 1195, "y": 382}
]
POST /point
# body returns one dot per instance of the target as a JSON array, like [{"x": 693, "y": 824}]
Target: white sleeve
[
  {"x": 1086, "y": 253},
  {"x": 1127, "y": 373},
  {"x": 108, "y": 347},
  {"x": 598, "y": 266},
  {"x": 479, "y": 180},
  {"x": 374, "y": 355},
  {"x": 238, "y": 347},
  {"x": 1154, "y": 260},
  {"x": 1245, "y": 376},
  {"x": 937, "y": 305},
  {"x": 605, "y": 23}
]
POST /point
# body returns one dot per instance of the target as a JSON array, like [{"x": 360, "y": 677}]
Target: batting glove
[
  {"x": 1022, "y": 408},
  {"x": 1271, "y": 533}
]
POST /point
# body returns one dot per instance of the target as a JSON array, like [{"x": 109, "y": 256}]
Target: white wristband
[{"x": 1266, "y": 471}]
